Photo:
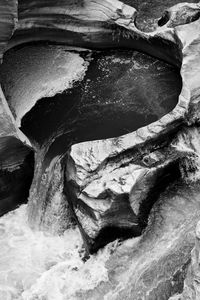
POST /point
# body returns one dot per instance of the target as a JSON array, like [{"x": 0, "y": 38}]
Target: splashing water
[{"x": 37, "y": 266}]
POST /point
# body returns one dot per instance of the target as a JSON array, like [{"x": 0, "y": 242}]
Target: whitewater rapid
[{"x": 38, "y": 266}]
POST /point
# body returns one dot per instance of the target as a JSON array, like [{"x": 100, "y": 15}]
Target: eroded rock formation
[
  {"x": 191, "y": 286},
  {"x": 16, "y": 159},
  {"x": 104, "y": 162}
]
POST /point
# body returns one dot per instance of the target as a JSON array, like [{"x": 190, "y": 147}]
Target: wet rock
[
  {"x": 16, "y": 159},
  {"x": 105, "y": 90},
  {"x": 8, "y": 19},
  {"x": 16, "y": 173},
  {"x": 99, "y": 108},
  {"x": 149, "y": 11},
  {"x": 126, "y": 184},
  {"x": 76, "y": 24},
  {"x": 191, "y": 290},
  {"x": 182, "y": 13},
  {"x": 158, "y": 260},
  {"x": 98, "y": 179},
  {"x": 32, "y": 69}
]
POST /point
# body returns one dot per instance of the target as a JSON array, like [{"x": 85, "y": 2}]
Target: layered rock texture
[
  {"x": 191, "y": 286},
  {"x": 16, "y": 166},
  {"x": 109, "y": 104}
]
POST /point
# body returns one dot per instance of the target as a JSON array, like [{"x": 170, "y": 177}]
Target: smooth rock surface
[
  {"x": 8, "y": 20},
  {"x": 16, "y": 159},
  {"x": 149, "y": 11},
  {"x": 45, "y": 71},
  {"x": 16, "y": 173},
  {"x": 128, "y": 183}
]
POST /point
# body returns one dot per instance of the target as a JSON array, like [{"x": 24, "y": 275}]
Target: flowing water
[
  {"x": 38, "y": 266},
  {"x": 34, "y": 265}
]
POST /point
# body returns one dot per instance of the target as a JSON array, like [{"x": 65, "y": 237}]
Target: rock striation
[
  {"x": 8, "y": 19},
  {"x": 16, "y": 159},
  {"x": 144, "y": 140}
]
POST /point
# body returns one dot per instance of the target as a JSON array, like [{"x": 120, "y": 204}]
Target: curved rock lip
[
  {"x": 8, "y": 24},
  {"x": 173, "y": 42},
  {"x": 35, "y": 78},
  {"x": 166, "y": 43},
  {"x": 8, "y": 17}
]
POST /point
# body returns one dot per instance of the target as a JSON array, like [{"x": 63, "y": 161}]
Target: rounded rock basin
[{"x": 119, "y": 92}]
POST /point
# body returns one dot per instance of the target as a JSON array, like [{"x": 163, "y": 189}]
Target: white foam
[{"x": 34, "y": 265}]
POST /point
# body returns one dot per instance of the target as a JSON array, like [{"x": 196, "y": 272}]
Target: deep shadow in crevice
[
  {"x": 171, "y": 173},
  {"x": 108, "y": 234},
  {"x": 121, "y": 92},
  {"x": 111, "y": 233},
  {"x": 164, "y": 19},
  {"x": 128, "y": 226},
  {"x": 15, "y": 185}
]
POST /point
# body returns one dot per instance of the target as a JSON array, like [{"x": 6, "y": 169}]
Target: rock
[
  {"x": 111, "y": 184},
  {"x": 8, "y": 18},
  {"x": 153, "y": 266},
  {"x": 182, "y": 13},
  {"x": 87, "y": 29},
  {"x": 98, "y": 179},
  {"x": 191, "y": 289},
  {"x": 149, "y": 11},
  {"x": 17, "y": 162},
  {"x": 100, "y": 71},
  {"x": 32, "y": 69},
  {"x": 143, "y": 141},
  {"x": 158, "y": 260}
]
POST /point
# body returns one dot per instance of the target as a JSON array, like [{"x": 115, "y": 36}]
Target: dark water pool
[{"x": 121, "y": 92}]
